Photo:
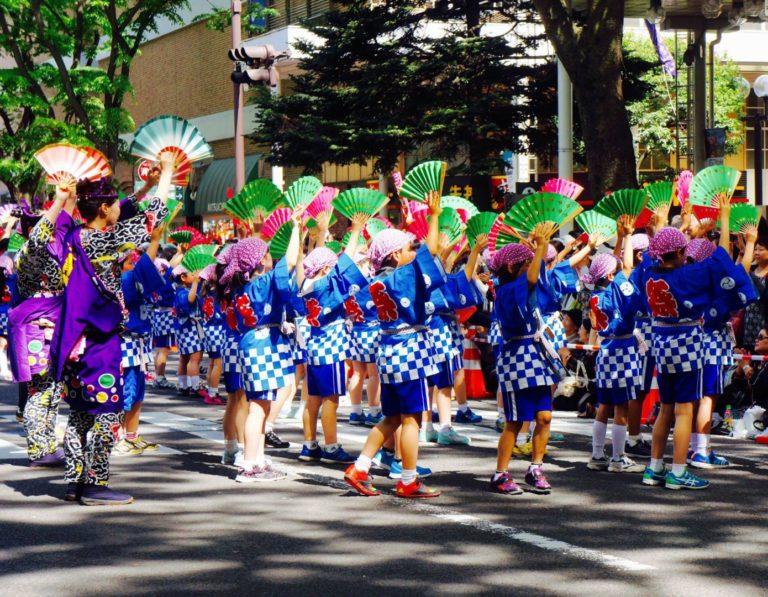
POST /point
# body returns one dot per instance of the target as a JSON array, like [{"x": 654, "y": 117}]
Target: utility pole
[{"x": 238, "y": 104}]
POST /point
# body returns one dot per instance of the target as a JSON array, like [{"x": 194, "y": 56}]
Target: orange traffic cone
[
  {"x": 651, "y": 398},
  {"x": 473, "y": 372}
]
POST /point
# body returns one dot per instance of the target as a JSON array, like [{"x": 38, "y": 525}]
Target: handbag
[{"x": 573, "y": 381}]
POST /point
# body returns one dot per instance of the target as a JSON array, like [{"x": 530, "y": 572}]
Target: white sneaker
[
  {"x": 625, "y": 465},
  {"x": 598, "y": 464},
  {"x": 239, "y": 461}
]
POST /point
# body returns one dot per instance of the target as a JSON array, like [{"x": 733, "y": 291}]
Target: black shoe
[
  {"x": 184, "y": 392},
  {"x": 641, "y": 449},
  {"x": 273, "y": 441},
  {"x": 74, "y": 492}
]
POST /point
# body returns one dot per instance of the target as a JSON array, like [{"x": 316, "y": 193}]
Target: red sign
[{"x": 143, "y": 170}]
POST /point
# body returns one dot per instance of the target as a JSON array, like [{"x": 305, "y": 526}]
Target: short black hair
[{"x": 92, "y": 194}]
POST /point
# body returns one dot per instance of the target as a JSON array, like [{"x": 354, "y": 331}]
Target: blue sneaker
[
  {"x": 556, "y": 436},
  {"x": 685, "y": 481},
  {"x": 384, "y": 459},
  {"x": 698, "y": 460},
  {"x": 396, "y": 470},
  {"x": 337, "y": 456},
  {"x": 468, "y": 417},
  {"x": 373, "y": 420},
  {"x": 357, "y": 419},
  {"x": 651, "y": 477},
  {"x": 310, "y": 455},
  {"x": 717, "y": 461}
]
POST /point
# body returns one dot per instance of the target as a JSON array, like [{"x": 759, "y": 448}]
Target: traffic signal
[{"x": 254, "y": 65}]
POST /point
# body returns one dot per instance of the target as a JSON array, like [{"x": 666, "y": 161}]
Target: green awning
[{"x": 217, "y": 178}]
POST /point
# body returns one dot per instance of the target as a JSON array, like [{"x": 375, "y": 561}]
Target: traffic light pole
[{"x": 238, "y": 105}]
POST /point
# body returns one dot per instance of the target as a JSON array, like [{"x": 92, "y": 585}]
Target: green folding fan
[
  {"x": 659, "y": 194},
  {"x": 278, "y": 246},
  {"x": 199, "y": 257},
  {"x": 422, "y": 179},
  {"x": 465, "y": 207},
  {"x": 311, "y": 223},
  {"x": 480, "y": 224},
  {"x": 302, "y": 192},
  {"x": 259, "y": 198},
  {"x": 15, "y": 242},
  {"x": 345, "y": 241},
  {"x": 374, "y": 226},
  {"x": 744, "y": 218},
  {"x": 451, "y": 225},
  {"x": 334, "y": 246},
  {"x": 174, "y": 206},
  {"x": 597, "y": 225},
  {"x": 181, "y": 237},
  {"x": 359, "y": 200},
  {"x": 713, "y": 186},
  {"x": 624, "y": 202},
  {"x": 543, "y": 211}
]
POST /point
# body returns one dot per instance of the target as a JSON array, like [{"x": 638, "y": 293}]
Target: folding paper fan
[
  {"x": 63, "y": 162},
  {"x": 744, "y": 217},
  {"x": 374, "y": 226},
  {"x": 501, "y": 235},
  {"x": 683, "y": 186},
  {"x": 174, "y": 207},
  {"x": 322, "y": 202},
  {"x": 334, "y": 246},
  {"x": 465, "y": 207},
  {"x": 347, "y": 236},
  {"x": 547, "y": 211},
  {"x": 360, "y": 200},
  {"x": 183, "y": 234},
  {"x": 200, "y": 239},
  {"x": 659, "y": 194},
  {"x": 311, "y": 223},
  {"x": 278, "y": 246},
  {"x": 259, "y": 197},
  {"x": 5, "y": 211},
  {"x": 561, "y": 186},
  {"x": 302, "y": 192},
  {"x": 415, "y": 206},
  {"x": 624, "y": 202},
  {"x": 714, "y": 185},
  {"x": 597, "y": 225},
  {"x": 397, "y": 178},
  {"x": 703, "y": 212},
  {"x": 422, "y": 179},
  {"x": 480, "y": 224},
  {"x": 275, "y": 220},
  {"x": 451, "y": 226},
  {"x": 420, "y": 225},
  {"x": 199, "y": 257},
  {"x": 15, "y": 242}
]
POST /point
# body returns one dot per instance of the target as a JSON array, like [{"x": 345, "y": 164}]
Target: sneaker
[
  {"x": 239, "y": 460},
  {"x": 384, "y": 459},
  {"x": 452, "y": 437},
  {"x": 598, "y": 464},
  {"x": 430, "y": 436},
  {"x": 698, "y": 460},
  {"x": 145, "y": 446},
  {"x": 102, "y": 495},
  {"x": 357, "y": 419},
  {"x": 162, "y": 383},
  {"x": 685, "y": 481},
  {"x": 126, "y": 448},
  {"x": 19, "y": 416},
  {"x": 310, "y": 455},
  {"x": 373, "y": 420},
  {"x": 184, "y": 391},
  {"x": 641, "y": 449},
  {"x": 556, "y": 436},
  {"x": 259, "y": 474},
  {"x": 537, "y": 481},
  {"x": 207, "y": 398},
  {"x": 651, "y": 477},
  {"x": 228, "y": 458},
  {"x": 361, "y": 482},
  {"x": 273, "y": 441},
  {"x": 337, "y": 456},
  {"x": 468, "y": 416},
  {"x": 501, "y": 423},
  {"x": 423, "y": 436},
  {"x": 275, "y": 468},
  {"x": 415, "y": 490},
  {"x": 396, "y": 470},
  {"x": 54, "y": 460},
  {"x": 504, "y": 484},
  {"x": 625, "y": 465},
  {"x": 718, "y": 461},
  {"x": 74, "y": 491},
  {"x": 523, "y": 451}
]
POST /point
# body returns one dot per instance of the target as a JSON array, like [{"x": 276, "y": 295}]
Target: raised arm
[
  {"x": 433, "y": 236},
  {"x": 749, "y": 250},
  {"x": 541, "y": 241},
  {"x": 481, "y": 242},
  {"x": 725, "y": 227},
  {"x": 192, "y": 297},
  {"x": 628, "y": 258},
  {"x": 294, "y": 256},
  {"x": 167, "y": 161},
  {"x": 359, "y": 220}
]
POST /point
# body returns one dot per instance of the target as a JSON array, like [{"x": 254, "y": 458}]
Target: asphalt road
[{"x": 193, "y": 530}]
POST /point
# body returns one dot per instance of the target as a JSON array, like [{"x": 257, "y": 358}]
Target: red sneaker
[
  {"x": 415, "y": 490},
  {"x": 207, "y": 398},
  {"x": 361, "y": 482}
]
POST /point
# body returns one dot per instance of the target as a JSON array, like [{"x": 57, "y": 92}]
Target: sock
[
  {"x": 463, "y": 407},
  {"x": 357, "y": 409},
  {"x": 241, "y": 447},
  {"x": 633, "y": 439},
  {"x": 445, "y": 428},
  {"x": 194, "y": 381},
  {"x": 409, "y": 476},
  {"x": 131, "y": 435},
  {"x": 618, "y": 438},
  {"x": 598, "y": 438},
  {"x": 497, "y": 475},
  {"x": 693, "y": 441},
  {"x": 430, "y": 425},
  {"x": 183, "y": 382},
  {"x": 231, "y": 446},
  {"x": 374, "y": 410},
  {"x": 521, "y": 440},
  {"x": 657, "y": 465},
  {"x": 702, "y": 441},
  {"x": 678, "y": 469},
  {"x": 363, "y": 463},
  {"x": 500, "y": 410},
  {"x": 268, "y": 427},
  {"x": 310, "y": 445},
  {"x": 331, "y": 447},
  {"x": 535, "y": 465}
]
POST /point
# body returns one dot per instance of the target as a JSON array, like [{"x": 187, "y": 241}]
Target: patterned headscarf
[
  {"x": 699, "y": 249},
  {"x": 243, "y": 257},
  {"x": 317, "y": 260},
  {"x": 511, "y": 254},
  {"x": 387, "y": 242},
  {"x": 223, "y": 255},
  {"x": 640, "y": 241},
  {"x": 603, "y": 265},
  {"x": 179, "y": 270},
  {"x": 551, "y": 253},
  {"x": 209, "y": 272},
  {"x": 6, "y": 263},
  {"x": 162, "y": 264},
  {"x": 667, "y": 240}
]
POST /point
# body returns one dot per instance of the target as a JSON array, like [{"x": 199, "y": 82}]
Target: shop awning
[{"x": 217, "y": 178}]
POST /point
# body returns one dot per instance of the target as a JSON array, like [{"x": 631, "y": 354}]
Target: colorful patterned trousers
[
  {"x": 40, "y": 415},
  {"x": 87, "y": 461}
]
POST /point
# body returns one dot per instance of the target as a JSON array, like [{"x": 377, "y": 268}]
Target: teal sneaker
[
  {"x": 651, "y": 477},
  {"x": 685, "y": 481},
  {"x": 384, "y": 459},
  {"x": 396, "y": 470},
  {"x": 500, "y": 424},
  {"x": 452, "y": 437},
  {"x": 431, "y": 436},
  {"x": 556, "y": 436}
]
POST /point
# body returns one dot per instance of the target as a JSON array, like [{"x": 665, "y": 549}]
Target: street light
[{"x": 760, "y": 87}]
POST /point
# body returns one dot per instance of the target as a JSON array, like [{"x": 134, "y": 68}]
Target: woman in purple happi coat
[{"x": 85, "y": 351}]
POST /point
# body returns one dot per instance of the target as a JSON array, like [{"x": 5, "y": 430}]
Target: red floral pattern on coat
[
  {"x": 229, "y": 314},
  {"x": 245, "y": 309},
  {"x": 386, "y": 307},
  {"x": 601, "y": 319},
  {"x": 208, "y": 308},
  {"x": 354, "y": 312},
  {"x": 660, "y": 300},
  {"x": 313, "y": 312}
]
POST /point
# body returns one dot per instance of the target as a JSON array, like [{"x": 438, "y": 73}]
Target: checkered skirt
[
  {"x": 4, "y": 324},
  {"x": 329, "y": 347},
  {"x": 162, "y": 322},
  {"x": 135, "y": 350},
  {"x": 718, "y": 347},
  {"x": 443, "y": 341},
  {"x": 678, "y": 349},
  {"x": 520, "y": 366},
  {"x": 215, "y": 337},
  {"x": 230, "y": 355},
  {"x": 406, "y": 357},
  {"x": 266, "y": 360},
  {"x": 554, "y": 322},
  {"x": 364, "y": 342},
  {"x": 189, "y": 338},
  {"x": 617, "y": 364}
]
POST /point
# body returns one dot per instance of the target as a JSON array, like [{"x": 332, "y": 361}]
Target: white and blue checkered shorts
[
  {"x": 266, "y": 360},
  {"x": 718, "y": 347},
  {"x": 189, "y": 338},
  {"x": 520, "y": 365},
  {"x": 134, "y": 350},
  {"x": 443, "y": 342},
  {"x": 410, "y": 357},
  {"x": 230, "y": 355},
  {"x": 554, "y": 322},
  {"x": 364, "y": 343},
  {"x": 215, "y": 337},
  {"x": 3, "y": 324},
  {"x": 678, "y": 349},
  {"x": 162, "y": 322},
  {"x": 617, "y": 364}
]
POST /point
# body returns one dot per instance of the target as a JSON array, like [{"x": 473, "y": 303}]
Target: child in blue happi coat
[{"x": 189, "y": 332}]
